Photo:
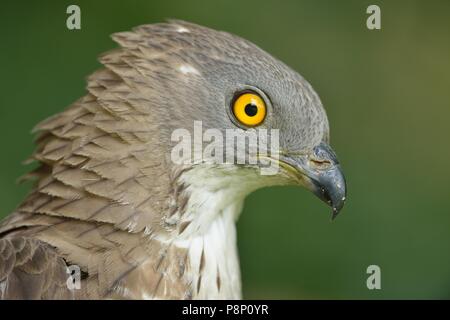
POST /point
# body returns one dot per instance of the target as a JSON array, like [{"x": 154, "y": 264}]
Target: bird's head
[{"x": 221, "y": 89}]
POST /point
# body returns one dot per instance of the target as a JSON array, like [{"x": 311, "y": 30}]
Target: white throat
[
  {"x": 216, "y": 197},
  {"x": 213, "y": 258},
  {"x": 215, "y": 202}
]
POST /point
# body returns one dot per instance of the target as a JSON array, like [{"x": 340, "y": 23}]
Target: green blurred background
[{"x": 388, "y": 101}]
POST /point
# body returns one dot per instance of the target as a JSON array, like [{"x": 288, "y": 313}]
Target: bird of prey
[{"x": 108, "y": 198}]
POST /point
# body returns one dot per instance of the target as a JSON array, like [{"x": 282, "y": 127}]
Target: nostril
[{"x": 320, "y": 164}]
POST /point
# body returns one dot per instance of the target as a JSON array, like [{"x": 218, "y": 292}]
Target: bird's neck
[
  {"x": 215, "y": 197},
  {"x": 213, "y": 263},
  {"x": 215, "y": 202}
]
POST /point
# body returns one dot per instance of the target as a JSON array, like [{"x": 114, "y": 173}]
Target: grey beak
[
  {"x": 323, "y": 175},
  {"x": 331, "y": 188}
]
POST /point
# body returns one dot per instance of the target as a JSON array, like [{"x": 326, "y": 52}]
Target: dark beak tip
[
  {"x": 334, "y": 214},
  {"x": 333, "y": 195},
  {"x": 336, "y": 210}
]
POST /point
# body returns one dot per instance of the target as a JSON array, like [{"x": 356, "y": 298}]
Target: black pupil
[{"x": 251, "y": 109}]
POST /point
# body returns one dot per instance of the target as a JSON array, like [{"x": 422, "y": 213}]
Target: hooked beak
[{"x": 321, "y": 174}]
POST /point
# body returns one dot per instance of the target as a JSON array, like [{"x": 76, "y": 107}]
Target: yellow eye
[{"x": 249, "y": 109}]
